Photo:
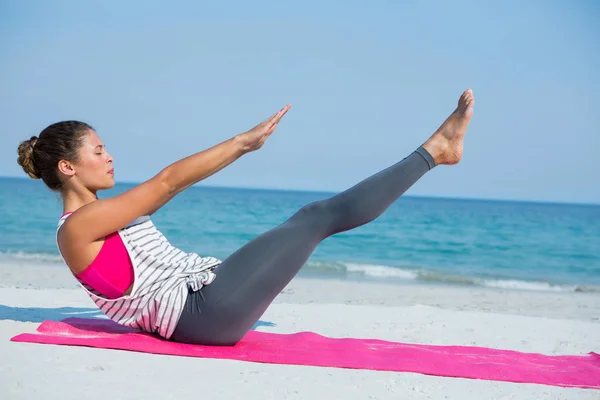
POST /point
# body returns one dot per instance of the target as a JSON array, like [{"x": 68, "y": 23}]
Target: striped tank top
[{"x": 162, "y": 276}]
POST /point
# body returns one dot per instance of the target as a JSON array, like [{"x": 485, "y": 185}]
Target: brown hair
[{"x": 39, "y": 156}]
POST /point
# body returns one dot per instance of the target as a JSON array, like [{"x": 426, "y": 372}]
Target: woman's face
[{"x": 94, "y": 169}]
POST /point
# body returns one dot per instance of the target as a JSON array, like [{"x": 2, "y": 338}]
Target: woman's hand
[{"x": 254, "y": 138}]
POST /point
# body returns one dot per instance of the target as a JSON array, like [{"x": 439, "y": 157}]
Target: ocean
[{"x": 496, "y": 244}]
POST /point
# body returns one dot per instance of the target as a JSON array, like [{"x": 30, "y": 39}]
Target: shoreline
[
  {"x": 307, "y": 289},
  {"x": 55, "y": 274}
]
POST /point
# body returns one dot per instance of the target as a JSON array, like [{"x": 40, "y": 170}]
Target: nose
[{"x": 110, "y": 159}]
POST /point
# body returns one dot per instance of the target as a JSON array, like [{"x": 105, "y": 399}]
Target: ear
[{"x": 66, "y": 167}]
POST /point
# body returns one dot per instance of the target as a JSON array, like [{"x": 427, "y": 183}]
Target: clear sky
[{"x": 368, "y": 81}]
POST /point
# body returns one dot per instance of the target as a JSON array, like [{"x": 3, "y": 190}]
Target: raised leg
[{"x": 249, "y": 280}]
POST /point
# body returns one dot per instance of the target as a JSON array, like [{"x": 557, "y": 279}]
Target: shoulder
[{"x": 76, "y": 254}]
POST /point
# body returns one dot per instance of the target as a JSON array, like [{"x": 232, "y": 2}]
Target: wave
[
  {"x": 384, "y": 272},
  {"x": 32, "y": 257},
  {"x": 338, "y": 269}
]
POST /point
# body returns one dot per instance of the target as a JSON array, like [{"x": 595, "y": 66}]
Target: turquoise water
[{"x": 468, "y": 242}]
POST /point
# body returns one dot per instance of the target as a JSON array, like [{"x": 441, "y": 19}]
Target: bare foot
[{"x": 446, "y": 144}]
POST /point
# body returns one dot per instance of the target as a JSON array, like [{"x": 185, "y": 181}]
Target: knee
[
  {"x": 324, "y": 216},
  {"x": 318, "y": 209}
]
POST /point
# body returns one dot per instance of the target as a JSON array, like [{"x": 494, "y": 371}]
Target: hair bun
[{"x": 25, "y": 158}]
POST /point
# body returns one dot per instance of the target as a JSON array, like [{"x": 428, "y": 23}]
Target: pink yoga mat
[{"x": 307, "y": 348}]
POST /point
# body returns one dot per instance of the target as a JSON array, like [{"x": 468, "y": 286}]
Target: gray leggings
[{"x": 249, "y": 280}]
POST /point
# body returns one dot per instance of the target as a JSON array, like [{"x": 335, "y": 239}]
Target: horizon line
[{"x": 441, "y": 197}]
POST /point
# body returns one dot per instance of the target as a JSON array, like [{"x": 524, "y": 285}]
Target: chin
[{"x": 108, "y": 184}]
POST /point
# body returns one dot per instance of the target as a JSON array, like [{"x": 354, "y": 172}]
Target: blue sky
[{"x": 369, "y": 82}]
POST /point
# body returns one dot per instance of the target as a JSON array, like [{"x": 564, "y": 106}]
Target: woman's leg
[{"x": 249, "y": 280}]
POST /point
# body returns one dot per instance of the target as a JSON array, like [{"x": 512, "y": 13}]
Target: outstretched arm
[
  {"x": 98, "y": 219},
  {"x": 179, "y": 176}
]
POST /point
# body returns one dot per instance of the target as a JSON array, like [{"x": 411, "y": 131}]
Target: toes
[
  {"x": 467, "y": 97},
  {"x": 464, "y": 95}
]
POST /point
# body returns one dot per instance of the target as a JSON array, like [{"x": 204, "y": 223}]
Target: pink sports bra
[{"x": 111, "y": 272}]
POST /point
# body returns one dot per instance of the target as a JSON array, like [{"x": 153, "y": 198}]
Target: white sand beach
[{"x": 545, "y": 322}]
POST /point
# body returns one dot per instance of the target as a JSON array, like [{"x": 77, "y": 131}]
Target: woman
[{"x": 138, "y": 279}]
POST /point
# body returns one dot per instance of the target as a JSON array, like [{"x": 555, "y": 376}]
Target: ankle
[
  {"x": 429, "y": 159},
  {"x": 437, "y": 147}
]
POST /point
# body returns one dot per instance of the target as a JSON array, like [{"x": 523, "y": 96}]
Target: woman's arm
[
  {"x": 96, "y": 220},
  {"x": 184, "y": 173}
]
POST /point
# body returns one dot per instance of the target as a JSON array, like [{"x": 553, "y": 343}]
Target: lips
[{"x": 112, "y": 171}]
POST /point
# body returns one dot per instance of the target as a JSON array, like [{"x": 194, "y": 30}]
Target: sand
[{"x": 544, "y": 322}]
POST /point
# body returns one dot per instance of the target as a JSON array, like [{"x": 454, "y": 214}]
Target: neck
[{"x": 76, "y": 198}]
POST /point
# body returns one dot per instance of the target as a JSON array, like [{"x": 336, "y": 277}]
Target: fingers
[
  {"x": 271, "y": 123},
  {"x": 272, "y": 117},
  {"x": 275, "y": 118},
  {"x": 270, "y": 130},
  {"x": 263, "y": 139},
  {"x": 282, "y": 112}
]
